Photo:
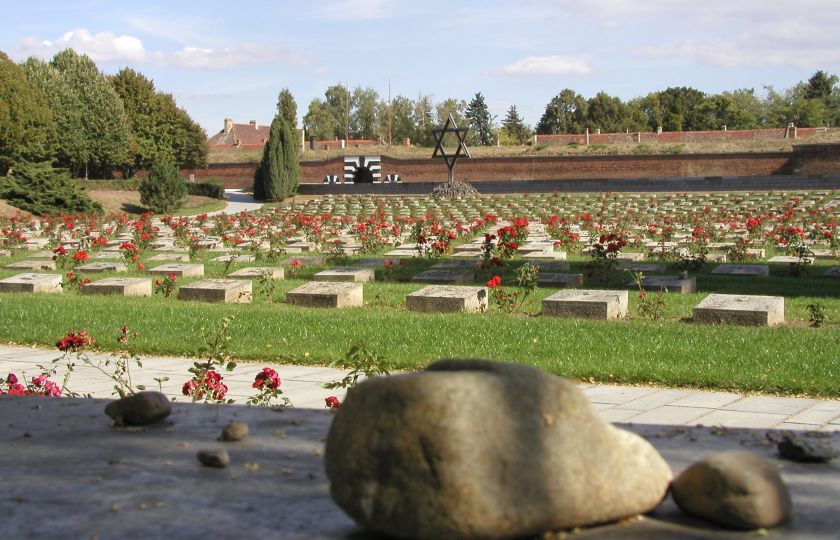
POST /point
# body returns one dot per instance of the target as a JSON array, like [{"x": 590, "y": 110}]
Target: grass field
[{"x": 793, "y": 360}]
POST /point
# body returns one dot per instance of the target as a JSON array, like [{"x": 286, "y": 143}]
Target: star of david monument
[{"x": 460, "y": 151}]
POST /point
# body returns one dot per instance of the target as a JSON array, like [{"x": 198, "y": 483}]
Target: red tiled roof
[{"x": 242, "y": 135}]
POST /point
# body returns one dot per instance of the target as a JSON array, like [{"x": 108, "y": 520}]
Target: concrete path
[
  {"x": 304, "y": 387},
  {"x": 237, "y": 201}
]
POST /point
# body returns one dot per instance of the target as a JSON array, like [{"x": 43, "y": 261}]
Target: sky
[{"x": 232, "y": 58}]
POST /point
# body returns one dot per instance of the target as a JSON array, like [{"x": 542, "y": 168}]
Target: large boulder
[
  {"x": 736, "y": 489},
  {"x": 479, "y": 449}
]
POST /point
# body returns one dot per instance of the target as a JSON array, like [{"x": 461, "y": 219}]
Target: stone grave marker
[
  {"x": 630, "y": 256},
  {"x": 42, "y": 255},
  {"x": 307, "y": 260},
  {"x": 833, "y": 272},
  {"x": 255, "y": 272},
  {"x": 640, "y": 266},
  {"x": 180, "y": 270},
  {"x": 823, "y": 254},
  {"x": 443, "y": 275},
  {"x": 357, "y": 275},
  {"x": 673, "y": 284},
  {"x": 107, "y": 256},
  {"x": 31, "y": 265},
  {"x": 236, "y": 291},
  {"x": 741, "y": 309},
  {"x": 120, "y": 287},
  {"x": 545, "y": 255},
  {"x": 559, "y": 279},
  {"x": 586, "y": 304},
  {"x": 36, "y": 243},
  {"x": 32, "y": 283},
  {"x": 328, "y": 294},
  {"x": 754, "y": 270},
  {"x": 447, "y": 298},
  {"x": 98, "y": 267},
  {"x": 236, "y": 258},
  {"x": 5, "y": 253},
  {"x": 788, "y": 259},
  {"x": 549, "y": 267},
  {"x": 178, "y": 257}
]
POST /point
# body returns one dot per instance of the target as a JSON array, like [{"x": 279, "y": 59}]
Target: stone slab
[
  {"x": 281, "y": 461},
  {"x": 833, "y": 272},
  {"x": 671, "y": 284},
  {"x": 559, "y": 279},
  {"x": 180, "y": 270},
  {"x": 741, "y": 309},
  {"x": 545, "y": 255},
  {"x": 307, "y": 260},
  {"x": 452, "y": 276},
  {"x": 31, "y": 265},
  {"x": 754, "y": 270},
  {"x": 120, "y": 287},
  {"x": 586, "y": 304},
  {"x": 327, "y": 294},
  {"x": 550, "y": 267},
  {"x": 402, "y": 253},
  {"x": 787, "y": 259},
  {"x": 630, "y": 256},
  {"x": 444, "y": 299},
  {"x": 255, "y": 272},
  {"x": 178, "y": 257},
  {"x": 231, "y": 291},
  {"x": 233, "y": 257},
  {"x": 32, "y": 283},
  {"x": 98, "y": 267},
  {"x": 640, "y": 266},
  {"x": 357, "y": 275}
]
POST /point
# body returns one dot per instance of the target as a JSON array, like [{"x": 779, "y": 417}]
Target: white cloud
[
  {"x": 101, "y": 47},
  {"x": 355, "y": 10},
  {"x": 108, "y": 47},
  {"x": 548, "y": 65}
]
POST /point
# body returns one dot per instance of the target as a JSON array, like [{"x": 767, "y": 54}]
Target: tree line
[
  {"x": 363, "y": 114},
  {"x": 70, "y": 114}
]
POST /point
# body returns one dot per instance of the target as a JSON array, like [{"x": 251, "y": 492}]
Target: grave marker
[
  {"x": 120, "y": 287},
  {"x": 741, "y": 309},
  {"x": 586, "y": 304},
  {"x": 327, "y": 294},
  {"x": 445, "y": 299},
  {"x": 32, "y": 283},
  {"x": 237, "y": 291}
]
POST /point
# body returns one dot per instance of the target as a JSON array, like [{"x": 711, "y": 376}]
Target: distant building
[{"x": 250, "y": 136}]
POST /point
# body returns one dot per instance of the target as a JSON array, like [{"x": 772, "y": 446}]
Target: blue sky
[{"x": 231, "y": 59}]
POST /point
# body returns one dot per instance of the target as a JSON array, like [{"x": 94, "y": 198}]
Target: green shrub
[
  {"x": 214, "y": 190},
  {"x": 164, "y": 190},
  {"x": 40, "y": 188}
]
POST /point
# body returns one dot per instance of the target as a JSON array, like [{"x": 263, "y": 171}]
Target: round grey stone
[
  {"x": 735, "y": 489},
  {"x": 234, "y": 431},
  {"x": 478, "y": 449},
  {"x": 213, "y": 458},
  {"x": 139, "y": 409}
]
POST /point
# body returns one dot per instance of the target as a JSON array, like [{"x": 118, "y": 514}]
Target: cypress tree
[{"x": 278, "y": 173}]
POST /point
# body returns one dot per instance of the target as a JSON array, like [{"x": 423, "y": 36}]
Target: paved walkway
[
  {"x": 237, "y": 202},
  {"x": 303, "y": 386}
]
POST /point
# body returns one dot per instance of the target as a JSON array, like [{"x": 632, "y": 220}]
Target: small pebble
[
  {"x": 213, "y": 458},
  {"x": 235, "y": 431},
  {"x": 139, "y": 409}
]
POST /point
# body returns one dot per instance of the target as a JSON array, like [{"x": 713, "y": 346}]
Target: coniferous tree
[
  {"x": 164, "y": 189},
  {"x": 278, "y": 173},
  {"x": 480, "y": 120},
  {"x": 515, "y": 126}
]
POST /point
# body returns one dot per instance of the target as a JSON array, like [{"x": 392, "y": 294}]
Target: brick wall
[
  {"x": 676, "y": 137},
  {"x": 817, "y": 159}
]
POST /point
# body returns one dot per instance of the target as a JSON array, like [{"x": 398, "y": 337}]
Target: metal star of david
[{"x": 461, "y": 151}]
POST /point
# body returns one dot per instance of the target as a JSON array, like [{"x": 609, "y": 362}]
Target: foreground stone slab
[
  {"x": 31, "y": 265},
  {"x": 444, "y": 299},
  {"x": 357, "y": 275},
  {"x": 755, "y": 270},
  {"x": 32, "y": 283},
  {"x": 233, "y": 291},
  {"x": 255, "y": 272},
  {"x": 120, "y": 287},
  {"x": 586, "y": 304},
  {"x": 98, "y": 267},
  {"x": 159, "y": 464},
  {"x": 671, "y": 284},
  {"x": 833, "y": 272},
  {"x": 327, "y": 294},
  {"x": 404, "y": 469},
  {"x": 180, "y": 270},
  {"x": 741, "y": 309}
]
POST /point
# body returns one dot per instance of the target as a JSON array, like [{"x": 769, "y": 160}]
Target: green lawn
[{"x": 793, "y": 359}]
